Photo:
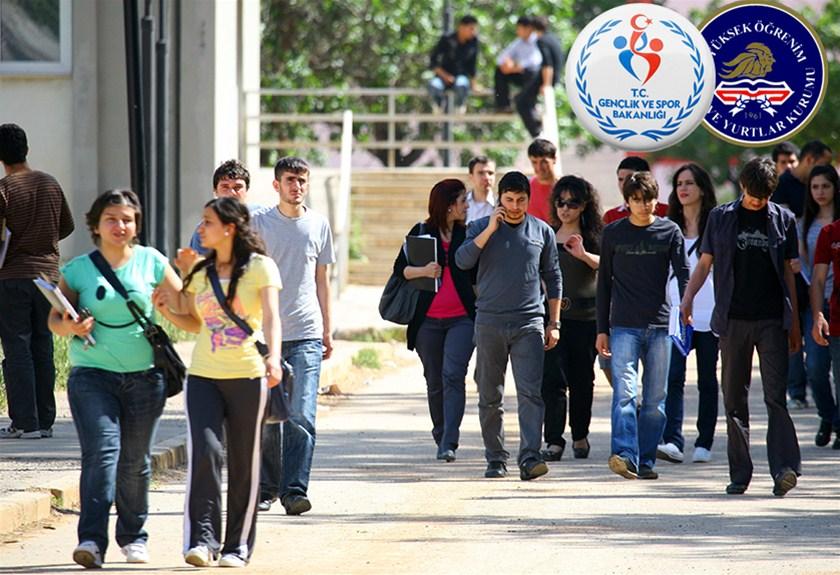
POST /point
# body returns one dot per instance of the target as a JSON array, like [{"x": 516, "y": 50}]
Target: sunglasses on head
[{"x": 571, "y": 204}]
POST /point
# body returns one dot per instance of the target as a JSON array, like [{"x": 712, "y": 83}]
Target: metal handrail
[{"x": 390, "y": 117}]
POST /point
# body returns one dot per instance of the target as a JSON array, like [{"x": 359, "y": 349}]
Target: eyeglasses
[{"x": 571, "y": 204}]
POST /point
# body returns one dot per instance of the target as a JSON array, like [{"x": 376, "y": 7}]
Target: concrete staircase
[{"x": 384, "y": 205}]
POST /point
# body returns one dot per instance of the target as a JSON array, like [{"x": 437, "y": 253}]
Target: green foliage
[
  {"x": 367, "y": 357},
  {"x": 386, "y": 43}
]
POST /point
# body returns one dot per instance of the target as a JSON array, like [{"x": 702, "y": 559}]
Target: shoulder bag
[
  {"x": 279, "y": 406},
  {"x": 166, "y": 357},
  {"x": 399, "y": 298}
]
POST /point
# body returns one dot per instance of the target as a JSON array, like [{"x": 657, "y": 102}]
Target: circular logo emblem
[
  {"x": 640, "y": 77},
  {"x": 771, "y": 73}
]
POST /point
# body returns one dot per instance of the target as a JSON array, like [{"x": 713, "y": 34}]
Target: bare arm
[
  {"x": 62, "y": 324},
  {"x": 322, "y": 287},
  {"x": 795, "y": 334},
  {"x": 820, "y": 330},
  {"x": 269, "y": 297}
]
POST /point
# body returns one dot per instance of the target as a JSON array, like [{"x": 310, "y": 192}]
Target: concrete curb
[{"x": 20, "y": 509}]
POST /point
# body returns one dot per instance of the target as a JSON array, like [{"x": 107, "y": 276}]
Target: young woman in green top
[{"x": 116, "y": 394}]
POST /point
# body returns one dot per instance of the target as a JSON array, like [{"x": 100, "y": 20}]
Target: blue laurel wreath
[{"x": 673, "y": 123}]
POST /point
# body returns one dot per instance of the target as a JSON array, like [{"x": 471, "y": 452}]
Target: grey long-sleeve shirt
[{"x": 510, "y": 267}]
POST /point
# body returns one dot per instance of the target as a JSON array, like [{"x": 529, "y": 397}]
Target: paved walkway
[{"x": 383, "y": 504}]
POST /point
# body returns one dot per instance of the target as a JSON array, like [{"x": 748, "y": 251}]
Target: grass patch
[
  {"x": 376, "y": 335},
  {"x": 367, "y": 357}
]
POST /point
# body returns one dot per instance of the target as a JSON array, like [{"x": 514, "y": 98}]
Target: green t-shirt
[{"x": 120, "y": 344}]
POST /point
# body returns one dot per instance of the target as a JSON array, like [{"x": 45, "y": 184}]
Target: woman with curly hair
[
  {"x": 228, "y": 382},
  {"x": 576, "y": 217}
]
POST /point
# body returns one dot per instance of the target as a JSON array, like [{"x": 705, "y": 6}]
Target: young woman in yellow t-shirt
[{"x": 228, "y": 382}]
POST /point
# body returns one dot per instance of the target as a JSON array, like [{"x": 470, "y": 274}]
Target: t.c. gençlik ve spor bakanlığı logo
[{"x": 640, "y": 77}]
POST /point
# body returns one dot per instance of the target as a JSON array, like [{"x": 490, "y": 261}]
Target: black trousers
[
  {"x": 238, "y": 406},
  {"x": 526, "y": 100},
  {"x": 569, "y": 366},
  {"x": 28, "y": 369},
  {"x": 769, "y": 338}
]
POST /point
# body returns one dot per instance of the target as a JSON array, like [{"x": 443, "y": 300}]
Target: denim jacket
[{"x": 719, "y": 241}]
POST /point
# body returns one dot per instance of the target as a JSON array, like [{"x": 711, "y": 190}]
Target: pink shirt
[{"x": 447, "y": 302}]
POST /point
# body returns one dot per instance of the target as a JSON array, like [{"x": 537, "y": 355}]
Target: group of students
[
  {"x": 539, "y": 276},
  {"x": 115, "y": 391},
  {"x": 533, "y": 62}
]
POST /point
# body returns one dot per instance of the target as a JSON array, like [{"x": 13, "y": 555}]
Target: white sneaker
[
  {"x": 199, "y": 556},
  {"x": 136, "y": 553},
  {"x": 12, "y": 432},
  {"x": 669, "y": 452},
  {"x": 232, "y": 560},
  {"x": 87, "y": 555},
  {"x": 701, "y": 455}
]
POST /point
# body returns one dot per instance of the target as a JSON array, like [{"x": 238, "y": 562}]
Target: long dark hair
[
  {"x": 443, "y": 195},
  {"x": 708, "y": 200},
  {"x": 245, "y": 241},
  {"x": 812, "y": 209},
  {"x": 591, "y": 222}
]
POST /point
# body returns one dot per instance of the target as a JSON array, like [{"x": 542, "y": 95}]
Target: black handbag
[
  {"x": 279, "y": 407},
  {"x": 399, "y": 298},
  {"x": 166, "y": 357}
]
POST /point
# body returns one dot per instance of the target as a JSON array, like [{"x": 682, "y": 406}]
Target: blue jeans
[
  {"x": 818, "y": 360},
  {"x": 445, "y": 347},
  {"x": 287, "y": 448},
  {"x": 116, "y": 416},
  {"x": 636, "y": 436},
  {"x": 461, "y": 87},
  {"x": 705, "y": 344},
  {"x": 797, "y": 377}
]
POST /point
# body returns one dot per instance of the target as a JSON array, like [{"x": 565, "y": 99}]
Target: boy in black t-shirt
[{"x": 752, "y": 243}]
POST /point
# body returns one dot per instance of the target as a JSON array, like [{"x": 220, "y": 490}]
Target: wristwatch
[{"x": 554, "y": 324}]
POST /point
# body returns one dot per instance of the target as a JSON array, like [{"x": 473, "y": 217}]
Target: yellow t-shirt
[{"x": 223, "y": 350}]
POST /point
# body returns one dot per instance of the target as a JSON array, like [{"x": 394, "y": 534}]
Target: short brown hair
[
  {"x": 759, "y": 178},
  {"x": 640, "y": 184},
  {"x": 117, "y": 197}
]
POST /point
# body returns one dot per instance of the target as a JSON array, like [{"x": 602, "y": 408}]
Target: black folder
[{"x": 421, "y": 250}]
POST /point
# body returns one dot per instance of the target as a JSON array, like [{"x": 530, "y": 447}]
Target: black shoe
[
  {"x": 532, "y": 469},
  {"x": 646, "y": 472},
  {"x": 555, "y": 454},
  {"x": 447, "y": 455},
  {"x": 824, "y": 434},
  {"x": 495, "y": 470},
  {"x": 581, "y": 452},
  {"x": 296, "y": 504},
  {"x": 784, "y": 482},
  {"x": 622, "y": 466},
  {"x": 736, "y": 488}
]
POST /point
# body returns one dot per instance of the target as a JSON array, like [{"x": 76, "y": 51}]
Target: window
[{"x": 35, "y": 37}]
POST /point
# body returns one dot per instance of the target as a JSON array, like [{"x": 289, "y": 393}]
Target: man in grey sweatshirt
[{"x": 513, "y": 252}]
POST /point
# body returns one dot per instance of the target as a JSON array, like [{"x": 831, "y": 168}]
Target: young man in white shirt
[{"x": 480, "y": 197}]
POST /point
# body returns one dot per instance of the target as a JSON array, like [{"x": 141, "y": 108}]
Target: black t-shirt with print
[{"x": 758, "y": 292}]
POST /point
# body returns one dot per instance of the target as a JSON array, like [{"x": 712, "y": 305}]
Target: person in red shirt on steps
[
  {"x": 627, "y": 166},
  {"x": 543, "y": 156}
]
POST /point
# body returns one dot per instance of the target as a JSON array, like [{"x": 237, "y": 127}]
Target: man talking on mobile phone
[{"x": 515, "y": 251}]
